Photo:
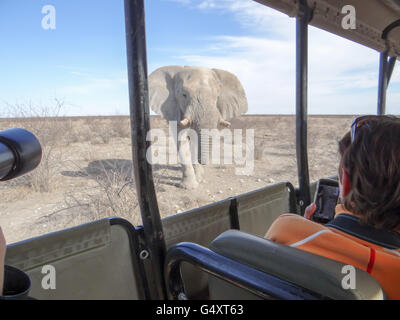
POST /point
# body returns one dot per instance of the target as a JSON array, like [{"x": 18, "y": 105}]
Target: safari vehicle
[{"x": 216, "y": 251}]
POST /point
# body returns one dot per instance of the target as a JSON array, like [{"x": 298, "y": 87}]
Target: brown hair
[{"x": 372, "y": 162}]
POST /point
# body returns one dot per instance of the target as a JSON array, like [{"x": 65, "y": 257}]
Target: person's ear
[{"x": 345, "y": 181}]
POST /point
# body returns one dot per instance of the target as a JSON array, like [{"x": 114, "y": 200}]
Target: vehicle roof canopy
[{"x": 372, "y": 19}]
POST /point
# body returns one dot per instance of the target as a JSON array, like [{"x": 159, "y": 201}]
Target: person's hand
[
  {"x": 309, "y": 211},
  {"x": 3, "y": 247}
]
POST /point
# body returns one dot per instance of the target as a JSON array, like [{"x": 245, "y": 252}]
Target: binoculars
[{"x": 20, "y": 152}]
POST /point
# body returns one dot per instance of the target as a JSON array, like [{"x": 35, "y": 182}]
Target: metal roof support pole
[
  {"x": 302, "y": 21},
  {"x": 392, "y": 63},
  {"x": 140, "y": 125},
  {"x": 383, "y": 83},
  {"x": 385, "y": 69}
]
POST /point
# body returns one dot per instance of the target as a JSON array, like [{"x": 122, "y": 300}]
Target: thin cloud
[
  {"x": 206, "y": 4},
  {"x": 183, "y": 2},
  {"x": 100, "y": 95},
  {"x": 89, "y": 84},
  {"x": 343, "y": 75},
  {"x": 266, "y": 68}
]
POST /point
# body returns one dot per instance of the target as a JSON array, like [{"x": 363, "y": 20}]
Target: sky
[{"x": 82, "y": 61}]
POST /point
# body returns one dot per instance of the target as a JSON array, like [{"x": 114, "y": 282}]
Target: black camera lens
[{"x": 20, "y": 152}]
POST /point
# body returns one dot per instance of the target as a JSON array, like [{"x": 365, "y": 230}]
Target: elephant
[{"x": 196, "y": 98}]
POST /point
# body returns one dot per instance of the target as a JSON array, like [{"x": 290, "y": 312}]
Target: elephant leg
[
  {"x": 189, "y": 180},
  {"x": 199, "y": 171}
]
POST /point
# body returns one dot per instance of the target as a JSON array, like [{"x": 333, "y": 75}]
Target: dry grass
[
  {"x": 51, "y": 134},
  {"x": 55, "y": 133},
  {"x": 63, "y": 191},
  {"x": 112, "y": 193}
]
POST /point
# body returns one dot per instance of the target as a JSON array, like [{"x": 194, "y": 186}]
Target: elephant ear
[
  {"x": 232, "y": 101},
  {"x": 161, "y": 92}
]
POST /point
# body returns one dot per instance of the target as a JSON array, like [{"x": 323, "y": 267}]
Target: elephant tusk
[
  {"x": 224, "y": 123},
  {"x": 185, "y": 122}
]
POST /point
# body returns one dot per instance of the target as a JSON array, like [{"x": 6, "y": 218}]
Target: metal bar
[
  {"x": 389, "y": 28},
  {"x": 292, "y": 198},
  {"x": 301, "y": 104},
  {"x": 140, "y": 124},
  {"x": 392, "y": 63},
  {"x": 383, "y": 82},
  {"x": 234, "y": 214},
  {"x": 241, "y": 275},
  {"x": 385, "y": 69}
]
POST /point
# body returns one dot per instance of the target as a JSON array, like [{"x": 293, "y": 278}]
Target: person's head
[{"x": 369, "y": 170}]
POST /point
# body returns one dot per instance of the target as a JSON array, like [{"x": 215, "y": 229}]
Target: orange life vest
[{"x": 379, "y": 256}]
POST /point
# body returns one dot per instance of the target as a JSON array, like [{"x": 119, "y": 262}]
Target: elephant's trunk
[
  {"x": 203, "y": 116},
  {"x": 204, "y": 148}
]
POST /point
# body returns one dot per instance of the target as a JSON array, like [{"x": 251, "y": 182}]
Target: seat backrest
[
  {"x": 256, "y": 210},
  {"x": 90, "y": 261},
  {"x": 315, "y": 273}
]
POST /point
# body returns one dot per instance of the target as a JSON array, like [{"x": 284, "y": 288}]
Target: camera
[{"x": 20, "y": 152}]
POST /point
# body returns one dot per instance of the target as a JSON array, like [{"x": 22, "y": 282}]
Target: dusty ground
[{"x": 85, "y": 173}]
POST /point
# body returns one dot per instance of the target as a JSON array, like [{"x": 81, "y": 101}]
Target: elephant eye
[{"x": 184, "y": 95}]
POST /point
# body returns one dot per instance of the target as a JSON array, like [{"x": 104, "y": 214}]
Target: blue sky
[{"x": 83, "y": 61}]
